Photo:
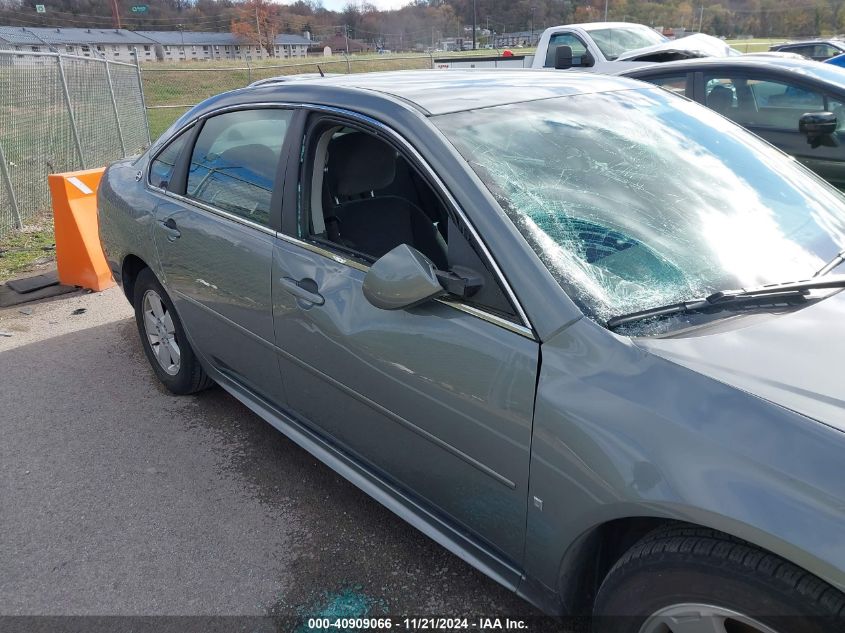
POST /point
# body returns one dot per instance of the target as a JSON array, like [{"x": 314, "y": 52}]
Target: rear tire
[
  {"x": 679, "y": 578},
  {"x": 163, "y": 338}
]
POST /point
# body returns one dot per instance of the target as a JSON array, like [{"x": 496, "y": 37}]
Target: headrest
[
  {"x": 720, "y": 97},
  {"x": 360, "y": 162},
  {"x": 259, "y": 159}
]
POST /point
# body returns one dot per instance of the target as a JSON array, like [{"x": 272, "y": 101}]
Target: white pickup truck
[{"x": 602, "y": 47}]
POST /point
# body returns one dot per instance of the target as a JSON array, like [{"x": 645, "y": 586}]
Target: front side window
[
  {"x": 234, "y": 164},
  {"x": 367, "y": 199},
  {"x": 823, "y": 51},
  {"x": 563, "y": 39},
  {"x": 635, "y": 199},
  {"x": 162, "y": 166},
  {"x": 761, "y": 102},
  {"x": 362, "y": 198}
]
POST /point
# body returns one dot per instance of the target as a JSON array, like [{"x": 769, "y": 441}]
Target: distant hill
[{"x": 425, "y": 23}]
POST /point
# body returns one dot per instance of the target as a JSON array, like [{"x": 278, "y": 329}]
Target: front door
[
  {"x": 215, "y": 243},
  {"x": 437, "y": 399},
  {"x": 772, "y": 107}
]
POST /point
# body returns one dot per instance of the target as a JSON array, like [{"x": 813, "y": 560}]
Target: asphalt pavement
[{"x": 117, "y": 498}]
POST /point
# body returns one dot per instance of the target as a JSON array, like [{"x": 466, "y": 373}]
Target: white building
[
  {"x": 200, "y": 46},
  {"x": 116, "y": 44},
  {"x": 152, "y": 46}
]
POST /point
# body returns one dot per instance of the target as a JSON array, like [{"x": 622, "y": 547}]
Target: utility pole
[
  {"x": 257, "y": 26},
  {"x": 346, "y": 31},
  {"x": 700, "y": 19},
  {"x": 473, "y": 24},
  {"x": 605, "y": 10},
  {"x": 531, "y": 42}
]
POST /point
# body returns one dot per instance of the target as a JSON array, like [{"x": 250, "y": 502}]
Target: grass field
[
  {"x": 757, "y": 45},
  {"x": 20, "y": 250},
  {"x": 187, "y": 83},
  {"x": 178, "y": 85}
]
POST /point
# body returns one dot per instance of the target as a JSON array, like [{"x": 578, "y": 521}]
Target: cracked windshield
[{"x": 650, "y": 200}]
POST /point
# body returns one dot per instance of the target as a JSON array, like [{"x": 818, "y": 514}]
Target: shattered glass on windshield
[{"x": 636, "y": 199}]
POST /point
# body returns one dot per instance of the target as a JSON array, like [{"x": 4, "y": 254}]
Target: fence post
[
  {"x": 248, "y": 72},
  {"x": 431, "y": 57},
  {"x": 8, "y": 181},
  {"x": 70, "y": 111},
  {"x": 114, "y": 107},
  {"x": 143, "y": 99}
]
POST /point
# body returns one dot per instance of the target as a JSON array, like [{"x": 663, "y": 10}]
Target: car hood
[
  {"x": 698, "y": 45},
  {"x": 794, "y": 360}
]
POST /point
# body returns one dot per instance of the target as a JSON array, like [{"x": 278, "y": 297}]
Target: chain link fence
[{"x": 61, "y": 113}]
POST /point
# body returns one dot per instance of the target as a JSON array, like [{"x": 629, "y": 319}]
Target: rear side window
[
  {"x": 163, "y": 165},
  {"x": 235, "y": 162},
  {"x": 675, "y": 83},
  {"x": 806, "y": 50}
]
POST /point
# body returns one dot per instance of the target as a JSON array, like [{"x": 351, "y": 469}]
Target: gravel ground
[{"x": 121, "y": 499}]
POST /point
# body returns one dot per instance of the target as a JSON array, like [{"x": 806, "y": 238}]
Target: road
[{"x": 119, "y": 498}]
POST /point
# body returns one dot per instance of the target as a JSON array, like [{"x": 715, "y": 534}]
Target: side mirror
[
  {"x": 563, "y": 57},
  {"x": 819, "y": 128},
  {"x": 402, "y": 278}
]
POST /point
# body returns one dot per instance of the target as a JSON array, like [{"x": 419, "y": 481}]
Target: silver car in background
[{"x": 582, "y": 332}]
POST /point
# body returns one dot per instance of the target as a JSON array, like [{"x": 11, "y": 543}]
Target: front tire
[
  {"x": 685, "y": 579},
  {"x": 163, "y": 338}
]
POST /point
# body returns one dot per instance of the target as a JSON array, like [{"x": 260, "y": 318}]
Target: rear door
[
  {"x": 437, "y": 399},
  {"x": 771, "y": 107},
  {"x": 215, "y": 235}
]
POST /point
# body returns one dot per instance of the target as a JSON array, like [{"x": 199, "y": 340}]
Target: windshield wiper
[
  {"x": 833, "y": 263},
  {"x": 790, "y": 293}
]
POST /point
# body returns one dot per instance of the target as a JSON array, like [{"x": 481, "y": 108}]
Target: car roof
[
  {"x": 830, "y": 40},
  {"x": 441, "y": 91},
  {"x": 592, "y": 26},
  {"x": 807, "y": 67}
]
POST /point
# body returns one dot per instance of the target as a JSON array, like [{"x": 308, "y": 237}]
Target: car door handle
[
  {"x": 305, "y": 289},
  {"x": 171, "y": 230}
]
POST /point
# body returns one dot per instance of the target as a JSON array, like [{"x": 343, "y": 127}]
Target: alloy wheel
[
  {"x": 701, "y": 618},
  {"x": 161, "y": 333}
]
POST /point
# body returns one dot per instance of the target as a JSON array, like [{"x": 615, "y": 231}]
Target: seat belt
[{"x": 318, "y": 220}]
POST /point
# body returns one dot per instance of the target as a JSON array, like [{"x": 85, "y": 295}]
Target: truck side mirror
[{"x": 563, "y": 57}]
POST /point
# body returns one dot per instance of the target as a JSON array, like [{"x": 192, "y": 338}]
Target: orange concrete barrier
[{"x": 79, "y": 256}]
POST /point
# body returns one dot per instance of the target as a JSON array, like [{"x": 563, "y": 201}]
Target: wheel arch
[
  {"x": 130, "y": 268},
  {"x": 591, "y": 556}
]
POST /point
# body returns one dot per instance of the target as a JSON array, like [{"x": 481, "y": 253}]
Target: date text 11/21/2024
[{"x": 417, "y": 624}]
